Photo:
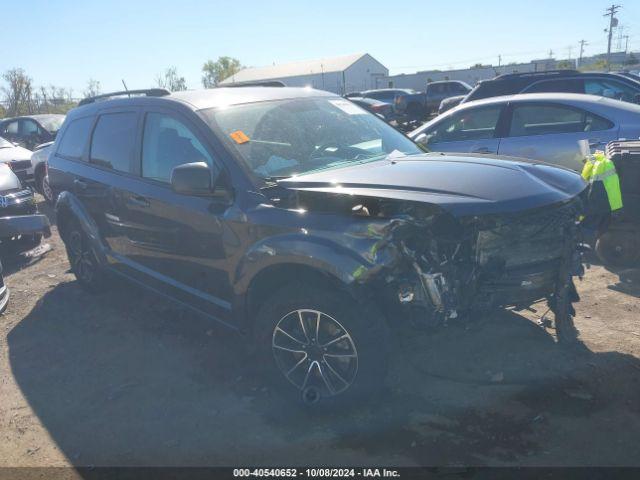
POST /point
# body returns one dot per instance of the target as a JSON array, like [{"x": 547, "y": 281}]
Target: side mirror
[
  {"x": 422, "y": 139},
  {"x": 192, "y": 179}
]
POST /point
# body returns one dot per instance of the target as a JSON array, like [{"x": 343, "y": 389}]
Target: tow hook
[{"x": 311, "y": 395}]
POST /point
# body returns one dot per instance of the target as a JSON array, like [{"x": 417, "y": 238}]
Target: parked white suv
[{"x": 39, "y": 168}]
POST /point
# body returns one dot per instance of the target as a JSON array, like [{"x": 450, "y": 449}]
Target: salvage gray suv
[{"x": 307, "y": 223}]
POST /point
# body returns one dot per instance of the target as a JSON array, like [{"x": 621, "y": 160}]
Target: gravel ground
[{"x": 125, "y": 378}]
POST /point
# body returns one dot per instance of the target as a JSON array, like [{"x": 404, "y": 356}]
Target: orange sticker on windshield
[{"x": 239, "y": 136}]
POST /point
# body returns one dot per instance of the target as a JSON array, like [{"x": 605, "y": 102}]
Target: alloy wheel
[
  {"x": 81, "y": 257},
  {"x": 313, "y": 350}
]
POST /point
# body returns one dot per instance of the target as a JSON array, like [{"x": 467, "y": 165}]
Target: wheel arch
[
  {"x": 69, "y": 210},
  {"x": 262, "y": 272}
]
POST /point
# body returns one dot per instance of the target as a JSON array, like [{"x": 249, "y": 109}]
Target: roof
[
  {"x": 295, "y": 69},
  {"x": 213, "y": 97}
]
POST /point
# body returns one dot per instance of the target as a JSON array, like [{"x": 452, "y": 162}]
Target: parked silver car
[{"x": 539, "y": 126}]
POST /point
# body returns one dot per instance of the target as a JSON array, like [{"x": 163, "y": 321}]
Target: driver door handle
[
  {"x": 138, "y": 201},
  {"x": 79, "y": 184},
  {"x": 480, "y": 150}
]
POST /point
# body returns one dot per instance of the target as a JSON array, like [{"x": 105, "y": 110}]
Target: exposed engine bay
[{"x": 437, "y": 267}]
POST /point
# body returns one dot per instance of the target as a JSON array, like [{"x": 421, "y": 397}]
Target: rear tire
[
  {"x": 318, "y": 343},
  {"x": 84, "y": 263}
]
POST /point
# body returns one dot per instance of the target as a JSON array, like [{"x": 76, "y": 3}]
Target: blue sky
[{"x": 66, "y": 42}]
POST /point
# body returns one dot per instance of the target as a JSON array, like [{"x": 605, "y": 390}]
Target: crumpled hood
[{"x": 462, "y": 184}]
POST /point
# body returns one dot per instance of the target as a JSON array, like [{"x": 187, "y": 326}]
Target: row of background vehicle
[
  {"x": 540, "y": 116},
  {"x": 411, "y": 106}
]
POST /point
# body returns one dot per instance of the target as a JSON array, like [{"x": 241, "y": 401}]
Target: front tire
[{"x": 319, "y": 344}]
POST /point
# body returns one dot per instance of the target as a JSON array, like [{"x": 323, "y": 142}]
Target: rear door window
[
  {"x": 75, "y": 137},
  {"x": 437, "y": 89},
  {"x": 11, "y": 128},
  {"x": 114, "y": 141},
  {"x": 611, "y": 89},
  {"x": 552, "y": 119}
]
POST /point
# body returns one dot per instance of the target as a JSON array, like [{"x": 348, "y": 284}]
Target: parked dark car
[
  {"x": 610, "y": 85},
  {"x": 32, "y": 130},
  {"x": 408, "y": 103},
  {"x": 17, "y": 201},
  {"x": 383, "y": 109},
  {"x": 436, "y": 92},
  {"x": 308, "y": 224}
]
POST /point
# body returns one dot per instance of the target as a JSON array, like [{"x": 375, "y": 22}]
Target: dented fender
[
  {"x": 69, "y": 207},
  {"x": 325, "y": 253}
]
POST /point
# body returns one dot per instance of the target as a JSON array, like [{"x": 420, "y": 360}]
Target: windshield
[
  {"x": 53, "y": 123},
  {"x": 286, "y": 137}
]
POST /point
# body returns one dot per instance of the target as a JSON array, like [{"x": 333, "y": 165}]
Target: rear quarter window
[
  {"x": 74, "y": 138},
  {"x": 114, "y": 140}
]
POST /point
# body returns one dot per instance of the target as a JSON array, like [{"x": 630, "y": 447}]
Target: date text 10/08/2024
[{"x": 316, "y": 472}]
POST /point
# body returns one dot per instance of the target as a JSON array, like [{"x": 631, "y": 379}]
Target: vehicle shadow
[
  {"x": 628, "y": 277},
  {"x": 122, "y": 378},
  {"x": 628, "y": 281}
]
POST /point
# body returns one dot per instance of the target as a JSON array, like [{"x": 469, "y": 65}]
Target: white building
[
  {"x": 472, "y": 75},
  {"x": 337, "y": 74}
]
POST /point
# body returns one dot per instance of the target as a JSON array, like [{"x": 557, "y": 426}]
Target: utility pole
[
  {"x": 499, "y": 60},
  {"x": 613, "y": 22},
  {"x": 620, "y": 31},
  {"x": 626, "y": 43},
  {"x": 582, "y": 44}
]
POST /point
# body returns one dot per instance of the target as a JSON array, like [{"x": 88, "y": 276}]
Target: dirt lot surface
[{"x": 125, "y": 378}]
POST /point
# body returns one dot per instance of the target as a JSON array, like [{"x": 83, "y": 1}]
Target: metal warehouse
[{"x": 336, "y": 74}]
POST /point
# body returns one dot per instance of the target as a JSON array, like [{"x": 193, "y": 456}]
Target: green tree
[
  {"x": 215, "y": 72},
  {"x": 93, "y": 88},
  {"x": 171, "y": 80},
  {"x": 18, "y": 92},
  {"x": 565, "y": 65}
]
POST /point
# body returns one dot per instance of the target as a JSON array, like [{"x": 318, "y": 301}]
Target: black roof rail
[
  {"x": 533, "y": 74},
  {"x": 257, "y": 83},
  {"x": 149, "y": 92}
]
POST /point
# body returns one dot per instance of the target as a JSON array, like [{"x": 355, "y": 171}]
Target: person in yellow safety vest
[{"x": 601, "y": 173}]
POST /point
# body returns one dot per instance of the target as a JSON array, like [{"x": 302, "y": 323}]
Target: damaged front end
[{"x": 436, "y": 267}]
